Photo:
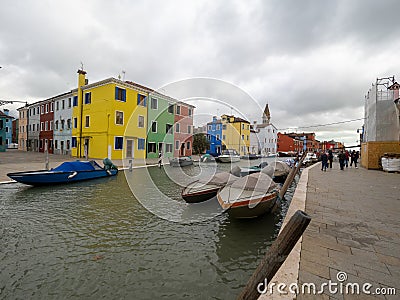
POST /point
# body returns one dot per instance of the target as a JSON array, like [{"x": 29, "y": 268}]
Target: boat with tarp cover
[
  {"x": 67, "y": 172},
  {"x": 203, "y": 189},
  {"x": 250, "y": 196}
]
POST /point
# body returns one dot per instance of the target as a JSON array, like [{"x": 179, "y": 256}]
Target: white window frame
[
  {"x": 139, "y": 116},
  {"x": 116, "y": 112}
]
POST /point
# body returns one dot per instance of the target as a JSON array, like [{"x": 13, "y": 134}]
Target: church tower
[{"x": 266, "y": 118}]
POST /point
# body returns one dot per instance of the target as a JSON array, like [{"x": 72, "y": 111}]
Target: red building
[
  {"x": 183, "y": 137},
  {"x": 46, "y": 126},
  {"x": 287, "y": 143}
]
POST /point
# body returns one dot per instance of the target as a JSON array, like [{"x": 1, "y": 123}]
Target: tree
[{"x": 200, "y": 143}]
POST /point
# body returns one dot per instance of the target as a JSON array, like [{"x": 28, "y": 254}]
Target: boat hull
[
  {"x": 180, "y": 162},
  {"x": 228, "y": 159},
  {"x": 200, "y": 196},
  {"x": 44, "y": 177},
  {"x": 250, "y": 208}
]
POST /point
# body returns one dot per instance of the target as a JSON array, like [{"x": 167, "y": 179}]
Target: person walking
[
  {"x": 330, "y": 158},
  {"x": 342, "y": 158},
  {"x": 346, "y": 162},
  {"x": 356, "y": 156},
  {"x": 324, "y": 161},
  {"x": 352, "y": 156}
]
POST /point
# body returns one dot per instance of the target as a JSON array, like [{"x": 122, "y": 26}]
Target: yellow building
[
  {"x": 235, "y": 134},
  {"x": 109, "y": 119}
]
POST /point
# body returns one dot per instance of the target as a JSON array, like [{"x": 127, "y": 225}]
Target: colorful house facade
[
  {"x": 160, "y": 132},
  {"x": 235, "y": 134},
  {"x": 23, "y": 126},
  {"x": 9, "y": 121},
  {"x": 62, "y": 127},
  {"x": 214, "y": 136},
  {"x": 34, "y": 127},
  {"x": 3, "y": 118},
  {"x": 109, "y": 119},
  {"x": 183, "y": 133},
  {"x": 46, "y": 126}
]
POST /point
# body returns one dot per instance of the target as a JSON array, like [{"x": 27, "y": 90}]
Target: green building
[{"x": 160, "y": 121}]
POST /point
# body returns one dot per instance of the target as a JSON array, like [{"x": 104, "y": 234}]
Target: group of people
[{"x": 344, "y": 157}]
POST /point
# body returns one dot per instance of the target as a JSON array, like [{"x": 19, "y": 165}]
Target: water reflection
[{"x": 94, "y": 239}]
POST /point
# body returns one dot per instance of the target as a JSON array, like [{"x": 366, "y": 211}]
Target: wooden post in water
[
  {"x": 291, "y": 176},
  {"x": 276, "y": 255}
]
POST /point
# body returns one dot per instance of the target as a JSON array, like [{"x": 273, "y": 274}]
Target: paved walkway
[{"x": 355, "y": 229}]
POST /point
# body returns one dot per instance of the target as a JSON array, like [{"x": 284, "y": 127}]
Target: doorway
[{"x": 129, "y": 149}]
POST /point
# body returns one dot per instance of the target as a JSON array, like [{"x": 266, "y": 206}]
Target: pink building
[{"x": 183, "y": 136}]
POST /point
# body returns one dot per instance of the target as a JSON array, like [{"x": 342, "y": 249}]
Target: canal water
[{"x": 94, "y": 240}]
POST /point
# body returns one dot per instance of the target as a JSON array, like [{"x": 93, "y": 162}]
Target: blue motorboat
[{"x": 67, "y": 172}]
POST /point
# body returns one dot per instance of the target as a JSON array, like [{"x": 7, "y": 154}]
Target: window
[
  {"x": 62, "y": 124},
  {"x": 141, "y": 100},
  {"x": 224, "y": 137},
  {"x": 168, "y": 128},
  {"x": 140, "y": 145},
  {"x": 69, "y": 102},
  {"x": 46, "y": 126},
  {"x": 177, "y": 127},
  {"x": 176, "y": 145},
  {"x": 52, "y": 106},
  {"x": 73, "y": 142},
  {"x": 37, "y": 110},
  {"x": 154, "y": 103},
  {"x": 57, "y": 108},
  {"x": 141, "y": 121},
  {"x": 209, "y": 127},
  {"x": 69, "y": 124},
  {"x": 189, "y": 129},
  {"x": 118, "y": 142},
  {"x": 223, "y": 127},
  {"x": 88, "y": 98},
  {"x": 120, "y": 94},
  {"x": 168, "y": 148},
  {"x": 75, "y": 122},
  {"x": 190, "y": 112},
  {"x": 41, "y": 126},
  {"x": 151, "y": 148},
  {"x": 188, "y": 145},
  {"x": 171, "y": 108},
  {"x": 87, "y": 121},
  {"x": 218, "y": 137},
  {"x": 56, "y": 143},
  {"x": 68, "y": 144},
  {"x": 153, "y": 126},
  {"x": 218, "y": 127},
  {"x": 242, "y": 126},
  {"x": 47, "y": 108},
  {"x": 63, "y": 104},
  {"x": 243, "y": 137},
  {"x": 41, "y": 109},
  {"x": 178, "y": 110},
  {"x": 119, "y": 117},
  {"x": 51, "y": 125},
  {"x": 209, "y": 137},
  {"x": 75, "y": 101}
]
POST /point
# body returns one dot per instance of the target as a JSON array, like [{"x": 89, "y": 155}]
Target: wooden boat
[
  {"x": 67, "y": 172},
  {"x": 202, "y": 190},
  {"x": 228, "y": 156},
  {"x": 253, "y": 169},
  {"x": 281, "y": 171},
  {"x": 249, "y": 197},
  {"x": 205, "y": 158},
  {"x": 181, "y": 161}
]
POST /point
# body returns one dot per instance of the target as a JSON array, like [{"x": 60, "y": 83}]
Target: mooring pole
[
  {"x": 276, "y": 255},
  {"x": 291, "y": 176}
]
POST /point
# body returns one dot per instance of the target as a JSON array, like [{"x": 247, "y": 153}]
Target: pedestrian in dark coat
[
  {"x": 330, "y": 158},
  {"x": 324, "y": 161},
  {"x": 342, "y": 158},
  {"x": 346, "y": 162},
  {"x": 352, "y": 156}
]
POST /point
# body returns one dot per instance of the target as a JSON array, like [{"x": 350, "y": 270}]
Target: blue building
[
  {"x": 214, "y": 136},
  {"x": 3, "y": 118},
  {"x": 8, "y": 128}
]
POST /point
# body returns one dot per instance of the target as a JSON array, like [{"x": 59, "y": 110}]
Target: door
[
  {"x": 183, "y": 149},
  {"x": 86, "y": 148},
  {"x": 129, "y": 149},
  {"x": 62, "y": 147},
  {"x": 160, "y": 148}
]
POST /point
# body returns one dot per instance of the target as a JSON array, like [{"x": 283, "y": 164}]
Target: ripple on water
[{"x": 94, "y": 239}]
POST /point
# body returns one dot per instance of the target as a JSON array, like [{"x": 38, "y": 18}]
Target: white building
[
  {"x": 254, "y": 142},
  {"x": 62, "y": 131},
  {"x": 267, "y": 134}
]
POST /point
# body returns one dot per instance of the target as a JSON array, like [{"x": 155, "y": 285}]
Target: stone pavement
[
  {"x": 17, "y": 161},
  {"x": 355, "y": 229}
]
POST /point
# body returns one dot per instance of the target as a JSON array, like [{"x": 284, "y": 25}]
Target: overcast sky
[{"x": 312, "y": 61}]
